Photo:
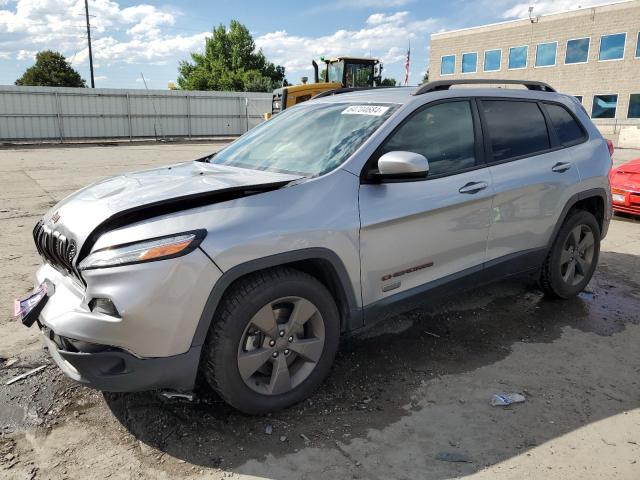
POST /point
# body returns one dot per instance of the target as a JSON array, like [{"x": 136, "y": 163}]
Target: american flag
[{"x": 406, "y": 67}]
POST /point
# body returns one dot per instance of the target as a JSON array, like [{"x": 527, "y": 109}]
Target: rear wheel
[
  {"x": 272, "y": 341},
  {"x": 573, "y": 257}
]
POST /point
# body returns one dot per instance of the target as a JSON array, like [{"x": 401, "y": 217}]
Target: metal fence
[{"x": 66, "y": 114}]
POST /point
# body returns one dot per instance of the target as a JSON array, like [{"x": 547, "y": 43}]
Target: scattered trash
[
  {"x": 305, "y": 438},
  {"x": 26, "y": 374},
  {"x": 432, "y": 334},
  {"x": 268, "y": 430},
  {"x": 454, "y": 457},
  {"x": 10, "y": 361},
  {"x": 504, "y": 399},
  {"x": 283, "y": 438},
  {"x": 171, "y": 394}
]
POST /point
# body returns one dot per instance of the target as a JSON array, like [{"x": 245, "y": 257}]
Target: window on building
[
  {"x": 448, "y": 65},
  {"x": 612, "y": 46},
  {"x": 515, "y": 128},
  {"x": 638, "y": 46},
  {"x": 604, "y": 106},
  {"x": 578, "y": 97},
  {"x": 469, "y": 62},
  {"x": 567, "y": 128},
  {"x": 634, "y": 106},
  {"x": 492, "y": 60},
  {"x": 518, "y": 57},
  {"x": 443, "y": 133},
  {"x": 546, "y": 54},
  {"x": 577, "y": 51}
]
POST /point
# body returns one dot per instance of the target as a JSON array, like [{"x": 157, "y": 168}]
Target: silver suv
[{"x": 247, "y": 266}]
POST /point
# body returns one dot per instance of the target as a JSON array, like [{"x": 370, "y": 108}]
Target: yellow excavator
[{"x": 339, "y": 72}]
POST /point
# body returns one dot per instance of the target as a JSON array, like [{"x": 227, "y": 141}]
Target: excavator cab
[{"x": 338, "y": 72}]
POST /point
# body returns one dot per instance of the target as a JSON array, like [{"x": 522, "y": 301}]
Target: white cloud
[
  {"x": 26, "y": 55},
  {"x": 544, "y": 7},
  {"x": 381, "y": 18},
  {"x": 385, "y": 36},
  {"x": 135, "y": 33}
]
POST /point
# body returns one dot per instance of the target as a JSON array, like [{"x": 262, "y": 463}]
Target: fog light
[{"x": 104, "y": 306}]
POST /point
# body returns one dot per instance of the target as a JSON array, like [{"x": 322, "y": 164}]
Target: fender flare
[
  {"x": 353, "y": 311},
  {"x": 593, "y": 192}
]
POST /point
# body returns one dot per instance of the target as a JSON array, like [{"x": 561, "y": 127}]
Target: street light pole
[{"x": 86, "y": 11}]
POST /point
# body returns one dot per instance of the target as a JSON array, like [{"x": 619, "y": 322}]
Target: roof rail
[{"x": 445, "y": 84}]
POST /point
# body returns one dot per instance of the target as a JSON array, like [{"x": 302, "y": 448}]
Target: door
[
  {"x": 415, "y": 232},
  {"x": 533, "y": 175}
]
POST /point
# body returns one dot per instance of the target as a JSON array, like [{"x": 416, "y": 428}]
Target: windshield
[
  {"x": 359, "y": 75},
  {"x": 335, "y": 71},
  {"x": 310, "y": 139}
]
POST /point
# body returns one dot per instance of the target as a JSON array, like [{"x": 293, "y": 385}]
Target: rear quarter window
[
  {"x": 565, "y": 124},
  {"x": 515, "y": 128}
]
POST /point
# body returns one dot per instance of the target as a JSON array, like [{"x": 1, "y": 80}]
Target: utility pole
[{"x": 86, "y": 11}]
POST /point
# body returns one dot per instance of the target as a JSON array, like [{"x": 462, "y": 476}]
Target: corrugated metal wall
[{"x": 47, "y": 113}]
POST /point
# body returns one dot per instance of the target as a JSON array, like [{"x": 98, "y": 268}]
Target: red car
[{"x": 625, "y": 187}]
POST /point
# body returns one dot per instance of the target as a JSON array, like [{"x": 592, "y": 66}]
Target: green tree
[
  {"x": 230, "y": 62},
  {"x": 425, "y": 79},
  {"x": 388, "y": 82},
  {"x": 51, "y": 70}
]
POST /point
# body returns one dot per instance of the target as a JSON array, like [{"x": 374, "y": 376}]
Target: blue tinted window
[
  {"x": 448, "y": 65},
  {"x": 577, "y": 51},
  {"x": 638, "y": 46},
  {"x": 518, "y": 57},
  {"x": 634, "y": 106},
  {"x": 612, "y": 46},
  {"x": 546, "y": 54},
  {"x": 469, "y": 62},
  {"x": 492, "y": 60},
  {"x": 604, "y": 106}
]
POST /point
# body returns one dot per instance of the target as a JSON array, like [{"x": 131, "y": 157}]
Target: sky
[{"x": 131, "y": 38}]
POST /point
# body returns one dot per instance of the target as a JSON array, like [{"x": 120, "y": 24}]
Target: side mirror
[{"x": 401, "y": 165}]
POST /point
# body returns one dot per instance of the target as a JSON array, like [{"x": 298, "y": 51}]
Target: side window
[
  {"x": 565, "y": 125},
  {"x": 515, "y": 128},
  {"x": 443, "y": 133}
]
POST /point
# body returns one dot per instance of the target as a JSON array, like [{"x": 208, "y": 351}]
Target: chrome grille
[{"x": 54, "y": 247}]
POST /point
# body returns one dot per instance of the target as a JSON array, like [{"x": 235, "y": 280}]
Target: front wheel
[
  {"x": 273, "y": 340},
  {"x": 573, "y": 257}
]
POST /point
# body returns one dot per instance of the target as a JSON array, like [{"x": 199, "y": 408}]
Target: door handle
[
  {"x": 473, "y": 187},
  {"x": 561, "y": 167}
]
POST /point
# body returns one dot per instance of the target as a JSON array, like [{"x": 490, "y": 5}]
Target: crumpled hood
[{"x": 175, "y": 187}]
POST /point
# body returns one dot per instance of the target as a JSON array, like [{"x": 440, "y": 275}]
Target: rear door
[
  {"x": 414, "y": 232},
  {"x": 534, "y": 175}
]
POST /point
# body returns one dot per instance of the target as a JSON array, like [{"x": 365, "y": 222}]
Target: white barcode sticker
[{"x": 375, "y": 110}]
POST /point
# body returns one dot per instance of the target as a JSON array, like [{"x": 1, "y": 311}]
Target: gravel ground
[{"x": 403, "y": 401}]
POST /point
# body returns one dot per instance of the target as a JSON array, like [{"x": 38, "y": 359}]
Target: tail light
[{"x": 611, "y": 147}]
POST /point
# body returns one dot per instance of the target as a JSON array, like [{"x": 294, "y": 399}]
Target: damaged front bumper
[{"x": 145, "y": 341}]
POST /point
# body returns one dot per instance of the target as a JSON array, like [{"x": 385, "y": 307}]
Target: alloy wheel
[
  {"x": 577, "y": 254},
  {"x": 281, "y": 345}
]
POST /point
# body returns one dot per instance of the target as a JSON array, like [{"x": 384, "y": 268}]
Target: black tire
[
  {"x": 556, "y": 279},
  {"x": 228, "y": 333}
]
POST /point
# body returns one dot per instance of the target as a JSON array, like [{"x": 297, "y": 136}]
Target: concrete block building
[{"x": 592, "y": 53}]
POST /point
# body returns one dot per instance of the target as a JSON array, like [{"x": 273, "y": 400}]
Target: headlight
[{"x": 160, "y": 248}]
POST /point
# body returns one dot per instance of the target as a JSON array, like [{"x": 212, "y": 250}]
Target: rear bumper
[{"x": 116, "y": 370}]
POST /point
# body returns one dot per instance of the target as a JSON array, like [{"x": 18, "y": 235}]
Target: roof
[
  {"x": 357, "y": 59},
  {"x": 404, "y": 95},
  {"x": 399, "y": 95}
]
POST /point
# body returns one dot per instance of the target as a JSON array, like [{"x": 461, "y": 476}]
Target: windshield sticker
[{"x": 375, "y": 110}]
